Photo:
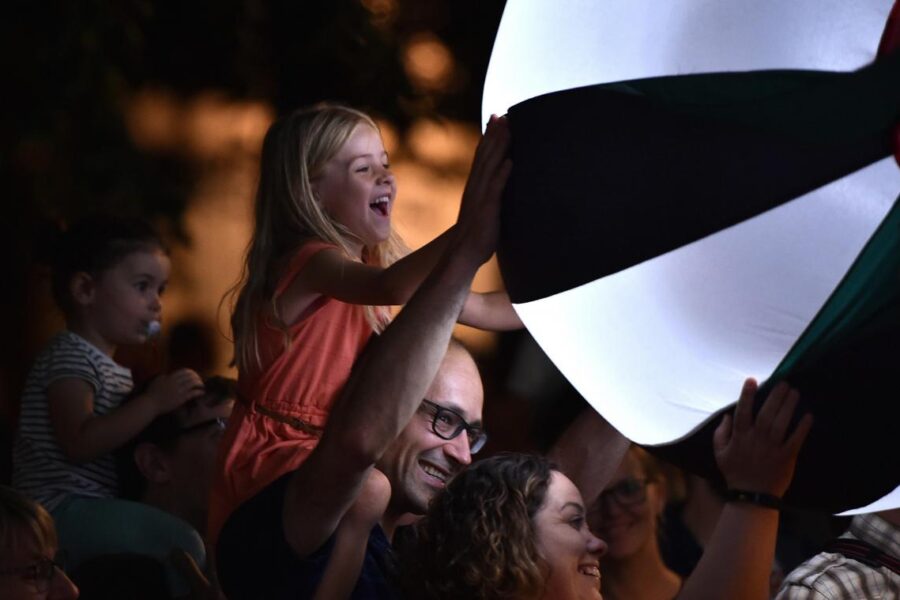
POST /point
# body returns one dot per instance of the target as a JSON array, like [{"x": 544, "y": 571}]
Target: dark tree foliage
[{"x": 71, "y": 66}]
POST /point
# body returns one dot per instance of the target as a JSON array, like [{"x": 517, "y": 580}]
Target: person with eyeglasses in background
[
  {"x": 624, "y": 502},
  {"x": 28, "y": 546},
  {"x": 633, "y": 516},
  {"x": 626, "y": 515},
  {"x": 173, "y": 458},
  {"x": 169, "y": 466}
]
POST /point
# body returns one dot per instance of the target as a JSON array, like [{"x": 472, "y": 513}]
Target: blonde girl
[{"x": 322, "y": 268}]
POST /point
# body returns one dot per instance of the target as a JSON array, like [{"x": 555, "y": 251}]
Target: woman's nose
[{"x": 596, "y": 545}]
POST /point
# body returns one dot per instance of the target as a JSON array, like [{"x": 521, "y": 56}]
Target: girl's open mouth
[{"x": 381, "y": 205}]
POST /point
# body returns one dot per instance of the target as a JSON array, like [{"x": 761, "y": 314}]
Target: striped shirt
[
  {"x": 40, "y": 467},
  {"x": 828, "y": 576}
]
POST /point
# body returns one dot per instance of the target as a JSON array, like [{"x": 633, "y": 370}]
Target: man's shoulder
[
  {"x": 835, "y": 576},
  {"x": 822, "y": 576}
]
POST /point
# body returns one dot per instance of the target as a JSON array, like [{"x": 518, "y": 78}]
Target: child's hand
[
  {"x": 172, "y": 390},
  {"x": 759, "y": 456},
  {"x": 479, "y": 213}
]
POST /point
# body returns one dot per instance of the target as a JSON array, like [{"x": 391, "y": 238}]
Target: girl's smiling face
[
  {"x": 571, "y": 552},
  {"x": 356, "y": 187}
]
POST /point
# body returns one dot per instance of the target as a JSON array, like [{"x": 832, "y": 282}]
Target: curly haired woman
[{"x": 499, "y": 531}]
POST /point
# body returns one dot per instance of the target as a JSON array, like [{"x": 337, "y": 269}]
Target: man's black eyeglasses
[
  {"x": 41, "y": 572},
  {"x": 447, "y": 424},
  {"x": 218, "y": 422}
]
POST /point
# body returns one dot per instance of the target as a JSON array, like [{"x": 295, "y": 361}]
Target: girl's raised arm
[{"x": 332, "y": 274}]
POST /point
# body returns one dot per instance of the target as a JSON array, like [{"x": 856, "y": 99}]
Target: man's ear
[
  {"x": 152, "y": 462},
  {"x": 82, "y": 287}
]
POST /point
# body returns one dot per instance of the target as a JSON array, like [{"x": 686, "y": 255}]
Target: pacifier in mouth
[{"x": 152, "y": 329}]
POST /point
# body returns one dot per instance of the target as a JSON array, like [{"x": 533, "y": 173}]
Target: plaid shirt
[{"x": 829, "y": 576}]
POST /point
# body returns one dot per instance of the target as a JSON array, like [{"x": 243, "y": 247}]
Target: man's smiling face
[{"x": 419, "y": 462}]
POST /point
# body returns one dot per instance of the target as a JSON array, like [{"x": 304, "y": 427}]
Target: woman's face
[
  {"x": 626, "y": 512},
  {"x": 27, "y": 573},
  {"x": 564, "y": 541}
]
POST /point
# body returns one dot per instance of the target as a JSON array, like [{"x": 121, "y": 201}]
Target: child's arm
[
  {"x": 85, "y": 436},
  {"x": 352, "y": 537},
  {"x": 332, "y": 274},
  {"x": 491, "y": 311}
]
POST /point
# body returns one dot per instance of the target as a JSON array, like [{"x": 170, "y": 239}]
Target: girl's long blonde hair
[{"x": 295, "y": 151}]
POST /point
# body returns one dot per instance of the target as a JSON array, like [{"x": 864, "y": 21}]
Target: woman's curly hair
[{"x": 478, "y": 538}]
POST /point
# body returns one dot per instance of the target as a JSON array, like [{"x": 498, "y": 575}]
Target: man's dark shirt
[{"x": 254, "y": 560}]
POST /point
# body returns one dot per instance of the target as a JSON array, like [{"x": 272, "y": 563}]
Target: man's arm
[
  {"x": 755, "y": 454},
  {"x": 393, "y": 375}
]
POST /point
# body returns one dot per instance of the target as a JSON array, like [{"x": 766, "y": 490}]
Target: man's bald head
[{"x": 419, "y": 462}]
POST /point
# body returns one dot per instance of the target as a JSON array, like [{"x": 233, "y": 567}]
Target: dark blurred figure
[{"x": 131, "y": 576}]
